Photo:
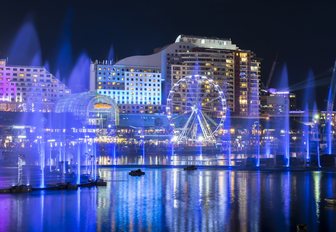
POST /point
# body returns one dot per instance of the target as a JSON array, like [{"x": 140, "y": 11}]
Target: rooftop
[{"x": 207, "y": 42}]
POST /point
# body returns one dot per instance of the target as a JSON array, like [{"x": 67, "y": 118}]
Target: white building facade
[{"x": 134, "y": 89}]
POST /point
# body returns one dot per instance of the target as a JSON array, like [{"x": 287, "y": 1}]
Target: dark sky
[{"x": 301, "y": 33}]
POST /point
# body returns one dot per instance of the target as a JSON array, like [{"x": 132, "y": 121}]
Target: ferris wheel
[{"x": 196, "y": 108}]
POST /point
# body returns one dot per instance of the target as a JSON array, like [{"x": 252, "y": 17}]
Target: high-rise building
[
  {"x": 134, "y": 89},
  {"x": 274, "y": 102},
  {"x": 236, "y": 71},
  {"x": 28, "y": 88}
]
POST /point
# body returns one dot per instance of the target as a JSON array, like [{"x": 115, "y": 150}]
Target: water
[
  {"x": 227, "y": 136},
  {"x": 79, "y": 77},
  {"x": 175, "y": 200},
  {"x": 309, "y": 100},
  {"x": 25, "y": 48},
  {"x": 111, "y": 54},
  {"x": 286, "y": 123},
  {"x": 306, "y": 140},
  {"x": 330, "y": 108}
]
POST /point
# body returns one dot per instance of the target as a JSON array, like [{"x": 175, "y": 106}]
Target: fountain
[
  {"x": 20, "y": 169},
  {"x": 80, "y": 75},
  {"x": 257, "y": 142},
  {"x": 283, "y": 126},
  {"x": 330, "y": 108},
  {"x": 41, "y": 151},
  {"x": 316, "y": 133},
  {"x": 25, "y": 48},
  {"x": 94, "y": 160},
  {"x": 64, "y": 60},
  {"x": 306, "y": 140},
  {"x": 78, "y": 180},
  {"x": 111, "y": 55},
  {"x": 267, "y": 139},
  {"x": 143, "y": 146},
  {"x": 309, "y": 98},
  {"x": 227, "y": 136}
]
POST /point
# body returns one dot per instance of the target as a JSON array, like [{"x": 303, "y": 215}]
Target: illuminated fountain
[
  {"x": 41, "y": 152},
  {"x": 227, "y": 137},
  {"x": 142, "y": 146},
  {"x": 78, "y": 179},
  {"x": 283, "y": 126},
  {"x": 267, "y": 139},
  {"x": 25, "y": 48},
  {"x": 309, "y": 98},
  {"x": 20, "y": 164},
  {"x": 111, "y": 55},
  {"x": 305, "y": 136},
  {"x": 256, "y": 131},
  {"x": 64, "y": 58},
  {"x": 330, "y": 108},
  {"x": 316, "y": 133}
]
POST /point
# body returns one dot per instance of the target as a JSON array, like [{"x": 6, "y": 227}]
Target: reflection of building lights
[
  {"x": 18, "y": 127},
  {"x": 174, "y": 139}
]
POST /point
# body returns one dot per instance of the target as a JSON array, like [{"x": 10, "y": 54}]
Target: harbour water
[{"x": 170, "y": 199}]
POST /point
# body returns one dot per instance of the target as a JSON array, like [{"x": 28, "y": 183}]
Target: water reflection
[{"x": 175, "y": 200}]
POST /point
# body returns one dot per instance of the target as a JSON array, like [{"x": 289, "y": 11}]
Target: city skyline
[
  {"x": 167, "y": 115},
  {"x": 298, "y": 34}
]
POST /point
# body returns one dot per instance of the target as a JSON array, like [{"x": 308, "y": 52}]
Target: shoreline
[{"x": 233, "y": 168}]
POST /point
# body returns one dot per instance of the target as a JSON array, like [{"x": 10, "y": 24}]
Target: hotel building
[
  {"x": 134, "y": 89},
  {"x": 236, "y": 71},
  {"x": 28, "y": 89}
]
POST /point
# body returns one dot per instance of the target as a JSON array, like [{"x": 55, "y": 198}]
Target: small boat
[
  {"x": 137, "y": 172},
  {"x": 301, "y": 228},
  {"x": 101, "y": 182},
  {"x": 190, "y": 168},
  {"x": 330, "y": 201},
  {"x": 20, "y": 189},
  {"x": 71, "y": 186},
  {"x": 87, "y": 184},
  {"x": 61, "y": 186}
]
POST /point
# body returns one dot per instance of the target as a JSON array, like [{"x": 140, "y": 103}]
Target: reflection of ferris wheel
[{"x": 196, "y": 108}]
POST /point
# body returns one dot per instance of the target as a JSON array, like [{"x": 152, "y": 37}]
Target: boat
[
  {"x": 87, "y": 184},
  {"x": 61, "y": 186},
  {"x": 137, "y": 172},
  {"x": 71, "y": 186},
  {"x": 330, "y": 201},
  {"x": 190, "y": 168},
  {"x": 101, "y": 182},
  {"x": 20, "y": 189},
  {"x": 301, "y": 228}
]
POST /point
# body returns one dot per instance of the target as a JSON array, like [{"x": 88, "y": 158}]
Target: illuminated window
[{"x": 243, "y": 54}]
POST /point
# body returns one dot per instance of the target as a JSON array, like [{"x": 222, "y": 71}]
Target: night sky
[{"x": 302, "y": 34}]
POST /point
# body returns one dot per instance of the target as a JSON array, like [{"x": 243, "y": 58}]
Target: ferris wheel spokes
[{"x": 196, "y": 107}]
